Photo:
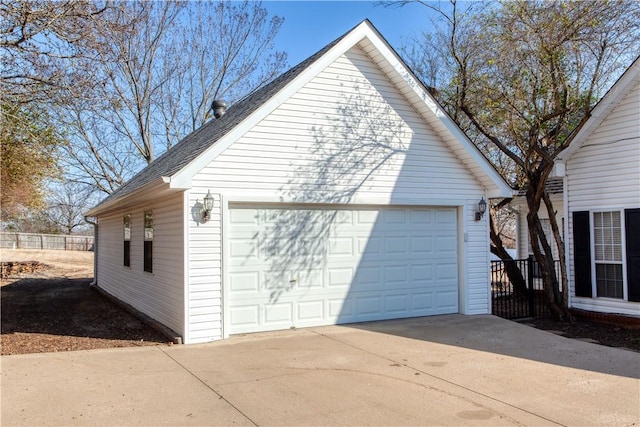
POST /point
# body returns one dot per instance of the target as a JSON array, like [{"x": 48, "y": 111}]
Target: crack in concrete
[
  {"x": 208, "y": 386},
  {"x": 444, "y": 380}
]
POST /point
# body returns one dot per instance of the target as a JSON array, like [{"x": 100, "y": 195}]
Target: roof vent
[{"x": 219, "y": 108}]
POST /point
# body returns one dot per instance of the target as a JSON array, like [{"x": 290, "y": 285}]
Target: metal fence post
[{"x": 530, "y": 269}]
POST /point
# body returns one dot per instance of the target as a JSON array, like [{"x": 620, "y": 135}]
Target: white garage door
[{"x": 296, "y": 267}]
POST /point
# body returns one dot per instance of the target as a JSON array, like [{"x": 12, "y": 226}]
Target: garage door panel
[
  {"x": 421, "y": 216},
  {"x": 278, "y": 313},
  {"x": 341, "y": 246},
  {"x": 246, "y": 315},
  {"x": 396, "y": 274},
  {"x": 368, "y": 306},
  {"x": 370, "y": 245},
  {"x": 305, "y": 267},
  {"x": 244, "y": 282},
  {"x": 422, "y": 302},
  {"x": 447, "y": 299},
  {"x": 311, "y": 310},
  {"x": 397, "y": 304}
]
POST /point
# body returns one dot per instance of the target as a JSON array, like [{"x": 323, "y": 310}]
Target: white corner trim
[{"x": 186, "y": 334}]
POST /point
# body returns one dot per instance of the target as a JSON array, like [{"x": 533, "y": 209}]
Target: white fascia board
[
  {"x": 602, "y": 109},
  {"x": 146, "y": 192},
  {"x": 501, "y": 188},
  {"x": 182, "y": 179}
]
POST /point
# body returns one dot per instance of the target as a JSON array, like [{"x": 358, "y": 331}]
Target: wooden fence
[{"x": 11, "y": 240}]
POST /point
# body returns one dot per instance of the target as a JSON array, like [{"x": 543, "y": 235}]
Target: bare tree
[
  {"x": 40, "y": 38},
  {"x": 521, "y": 76},
  {"x": 155, "y": 83},
  {"x": 67, "y": 204}
]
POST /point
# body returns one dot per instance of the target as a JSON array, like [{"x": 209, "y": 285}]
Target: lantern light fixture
[
  {"x": 482, "y": 208},
  {"x": 207, "y": 206}
]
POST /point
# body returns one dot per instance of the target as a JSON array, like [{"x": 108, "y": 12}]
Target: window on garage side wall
[
  {"x": 607, "y": 245},
  {"x": 127, "y": 240},
  {"x": 148, "y": 241}
]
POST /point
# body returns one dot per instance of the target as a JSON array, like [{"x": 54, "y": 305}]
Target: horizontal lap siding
[
  {"x": 347, "y": 136},
  {"x": 205, "y": 270},
  {"x": 334, "y": 133},
  {"x": 522, "y": 239},
  {"x": 160, "y": 294},
  {"x": 605, "y": 174}
]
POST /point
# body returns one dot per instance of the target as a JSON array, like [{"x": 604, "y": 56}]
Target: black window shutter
[
  {"x": 632, "y": 237},
  {"x": 582, "y": 253}
]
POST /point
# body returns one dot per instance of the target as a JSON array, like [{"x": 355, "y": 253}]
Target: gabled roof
[
  {"x": 179, "y": 164},
  {"x": 554, "y": 185},
  {"x": 603, "y": 108}
]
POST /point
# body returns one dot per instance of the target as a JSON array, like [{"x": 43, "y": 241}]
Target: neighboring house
[
  {"x": 341, "y": 192},
  {"x": 601, "y": 170},
  {"x": 554, "y": 187}
]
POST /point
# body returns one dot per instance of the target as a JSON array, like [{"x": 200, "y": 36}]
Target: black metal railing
[{"x": 524, "y": 295}]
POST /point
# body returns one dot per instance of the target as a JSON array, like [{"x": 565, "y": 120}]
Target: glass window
[
  {"x": 607, "y": 244},
  {"x": 148, "y": 241},
  {"x": 127, "y": 240}
]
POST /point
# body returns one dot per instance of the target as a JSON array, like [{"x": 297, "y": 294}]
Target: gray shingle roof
[
  {"x": 553, "y": 186},
  {"x": 194, "y": 144}
]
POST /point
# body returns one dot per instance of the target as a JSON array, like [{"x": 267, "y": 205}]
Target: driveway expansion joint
[{"x": 190, "y": 372}]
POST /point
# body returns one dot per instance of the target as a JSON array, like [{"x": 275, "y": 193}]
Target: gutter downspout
[{"x": 95, "y": 251}]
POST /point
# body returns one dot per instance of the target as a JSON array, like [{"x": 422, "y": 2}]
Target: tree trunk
[
  {"x": 540, "y": 247},
  {"x": 561, "y": 254},
  {"x": 510, "y": 267}
]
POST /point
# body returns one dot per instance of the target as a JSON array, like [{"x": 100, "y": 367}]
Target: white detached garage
[{"x": 341, "y": 192}]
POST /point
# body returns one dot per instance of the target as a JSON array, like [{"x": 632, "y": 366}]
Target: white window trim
[{"x": 594, "y": 286}]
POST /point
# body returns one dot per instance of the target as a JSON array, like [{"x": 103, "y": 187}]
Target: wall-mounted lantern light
[
  {"x": 482, "y": 208},
  {"x": 207, "y": 206}
]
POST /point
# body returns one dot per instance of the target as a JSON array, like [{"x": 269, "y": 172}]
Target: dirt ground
[{"x": 50, "y": 307}]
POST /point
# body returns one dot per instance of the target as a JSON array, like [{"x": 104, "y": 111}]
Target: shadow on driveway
[{"x": 492, "y": 334}]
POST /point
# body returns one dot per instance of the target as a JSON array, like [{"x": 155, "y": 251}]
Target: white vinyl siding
[
  {"x": 347, "y": 137},
  {"x": 523, "y": 243},
  {"x": 603, "y": 175},
  {"x": 159, "y": 294}
]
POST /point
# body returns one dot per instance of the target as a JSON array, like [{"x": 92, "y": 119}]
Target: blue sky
[{"x": 310, "y": 25}]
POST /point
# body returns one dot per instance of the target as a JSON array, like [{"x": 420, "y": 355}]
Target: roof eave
[{"x": 148, "y": 192}]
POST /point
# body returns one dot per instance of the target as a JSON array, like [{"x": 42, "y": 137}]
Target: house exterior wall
[
  {"x": 523, "y": 245},
  {"x": 604, "y": 174},
  {"x": 347, "y": 137},
  {"x": 159, "y": 294}
]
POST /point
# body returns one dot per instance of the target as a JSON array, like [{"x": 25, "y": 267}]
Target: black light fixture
[
  {"x": 207, "y": 206},
  {"x": 482, "y": 208}
]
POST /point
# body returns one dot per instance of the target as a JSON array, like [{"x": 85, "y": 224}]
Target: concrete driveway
[{"x": 444, "y": 370}]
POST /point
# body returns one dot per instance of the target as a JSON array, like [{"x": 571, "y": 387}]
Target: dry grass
[
  {"x": 69, "y": 264},
  {"x": 50, "y": 307}
]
